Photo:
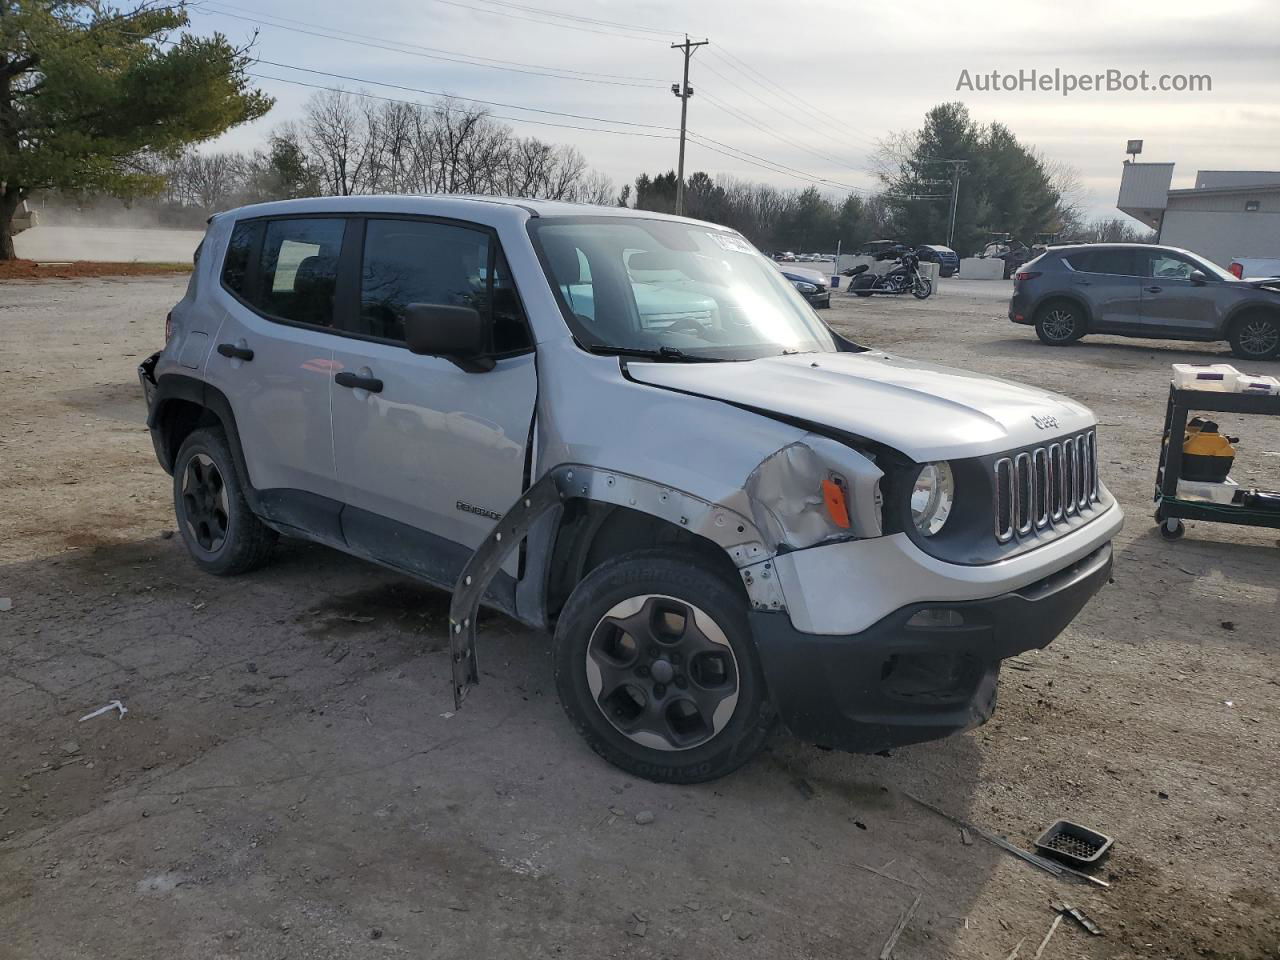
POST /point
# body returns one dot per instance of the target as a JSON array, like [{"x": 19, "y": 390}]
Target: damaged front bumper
[{"x": 922, "y": 672}]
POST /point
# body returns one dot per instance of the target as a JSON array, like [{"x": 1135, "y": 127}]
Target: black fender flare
[
  {"x": 177, "y": 386},
  {"x": 735, "y": 534}
]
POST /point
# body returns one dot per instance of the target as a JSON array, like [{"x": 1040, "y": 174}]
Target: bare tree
[{"x": 337, "y": 133}]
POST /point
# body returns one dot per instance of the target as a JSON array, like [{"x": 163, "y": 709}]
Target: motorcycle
[{"x": 903, "y": 277}]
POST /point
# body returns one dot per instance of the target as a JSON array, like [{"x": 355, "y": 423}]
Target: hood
[{"x": 925, "y": 411}]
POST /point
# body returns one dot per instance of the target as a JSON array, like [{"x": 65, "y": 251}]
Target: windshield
[{"x": 680, "y": 289}]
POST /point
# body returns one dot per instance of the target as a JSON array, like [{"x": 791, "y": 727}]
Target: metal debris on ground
[
  {"x": 1053, "y": 928},
  {"x": 965, "y": 837},
  {"x": 1013, "y": 954},
  {"x": 1079, "y": 916},
  {"x": 887, "y": 950},
  {"x": 1035, "y": 860},
  {"x": 6, "y": 604},
  {"x": 113, "y": 705},
  {"x": 881, "y": 873}
]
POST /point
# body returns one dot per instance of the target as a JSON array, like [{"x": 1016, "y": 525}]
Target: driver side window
[{"x": 1168, "y": 266}]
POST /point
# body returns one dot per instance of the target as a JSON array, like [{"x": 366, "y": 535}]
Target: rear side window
[
  {"x": 298, "y": 270},
  {"x": 1120, "y": 263},
  {"x": 414, "y": 261}
]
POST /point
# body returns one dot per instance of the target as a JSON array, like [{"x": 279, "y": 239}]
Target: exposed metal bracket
[
  {"x": 736, "y": 534},
  {"x": 483, "y": 566}
]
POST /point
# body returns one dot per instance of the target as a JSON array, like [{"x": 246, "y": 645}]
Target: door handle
[
  {"x": 357, "y": 382},
  {"x": 232, "y": 352},
  {"x": 1154, "y": 289}
]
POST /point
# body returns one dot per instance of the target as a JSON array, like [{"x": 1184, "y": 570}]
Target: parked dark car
[
  {"x": 877, "y": 248},
  {"x": 1143, "y": 290},
  {"x": 948, "y": 260},
  {"x": 811, "y": 284}
]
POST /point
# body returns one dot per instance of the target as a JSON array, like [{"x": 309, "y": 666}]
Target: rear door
[
  {"x": 273, "y": 360},
  {"x": 1174, "y": 305},
  {"x": 1108, "y": 280},
  {"x": 430, "y": 461}
]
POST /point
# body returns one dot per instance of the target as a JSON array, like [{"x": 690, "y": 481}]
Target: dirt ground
[
  {"x": 43, "y": 270},
  {"x": 290, "y": 780}
]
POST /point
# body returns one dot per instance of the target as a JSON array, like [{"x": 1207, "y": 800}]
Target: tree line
[
  {"x": 1006, "y": 188},
  {"x": 344, "y": 145}
]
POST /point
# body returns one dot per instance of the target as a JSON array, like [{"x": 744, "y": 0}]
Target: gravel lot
[{"x": 290, "y": 781}]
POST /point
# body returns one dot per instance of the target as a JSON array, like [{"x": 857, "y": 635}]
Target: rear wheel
[
  {"x": 1256, "y": 336},
  {"x": 656, "y": 668},
  {"x": 221, "y": 533},
  {"x": 1059, "y": 323}
]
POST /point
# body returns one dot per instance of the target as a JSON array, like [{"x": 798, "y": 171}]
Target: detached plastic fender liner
[{"x": 734, "y": 533}]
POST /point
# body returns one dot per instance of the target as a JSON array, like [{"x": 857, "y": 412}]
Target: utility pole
[
  {"x": 684, "y": 92},
  {"x": 957, "y": 168}
]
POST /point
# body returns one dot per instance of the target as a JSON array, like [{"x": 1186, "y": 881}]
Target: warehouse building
[{"x": 1228, "y": 214}]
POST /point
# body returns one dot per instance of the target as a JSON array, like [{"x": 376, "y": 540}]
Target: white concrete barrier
[{"x": 982, "y": 268}]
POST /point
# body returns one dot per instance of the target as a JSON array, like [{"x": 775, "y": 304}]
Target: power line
[
  {"x": 542, "y": 11},
  {"x": 806, "y": 125},
  {"x": 452, "y": 96},
  {"x": 773, "y": 165},
  {"x": 548, "y": 23},
  {"x": 788, "y": 99},
  {"x": 669, "y": 133},
  {"x": 764, "y": 128},
  {"x": 364, "y": 95},
  {"x": 378, "y": 43}
]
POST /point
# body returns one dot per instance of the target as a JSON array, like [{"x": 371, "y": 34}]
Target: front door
[
  {"x": 273, "y": 359},
  {"x": 1173, "y": 304},
  {"x": 432, "y": 455}
]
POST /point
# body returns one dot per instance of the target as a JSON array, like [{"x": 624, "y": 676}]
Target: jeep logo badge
[{"x": 1046, "y": 422}]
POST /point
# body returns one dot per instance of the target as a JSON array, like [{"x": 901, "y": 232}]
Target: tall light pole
[{"x": 684, "y": 92}]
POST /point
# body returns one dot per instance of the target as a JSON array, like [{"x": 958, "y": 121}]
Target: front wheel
[
  {"x": 656, "y": 668},
  {"x": 1256, "y": 337},
  {"x": 922, "y": 288}
]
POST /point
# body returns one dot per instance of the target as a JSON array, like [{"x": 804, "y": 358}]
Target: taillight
[
  {"x": 1237, "y": 269},
  {"x": 168, "y": 327},
  {"x": 1025, "y": 275}
]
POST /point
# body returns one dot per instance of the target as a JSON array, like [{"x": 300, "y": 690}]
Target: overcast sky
[{"x": 814, "y": 84}]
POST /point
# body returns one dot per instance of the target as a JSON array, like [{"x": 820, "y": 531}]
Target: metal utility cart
[{"x": 1170, "y": 510}]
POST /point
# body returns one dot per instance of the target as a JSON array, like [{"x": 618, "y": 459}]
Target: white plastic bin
[
  {"x": 1203, "y": 490},
  {"x": 1217, "y": 377},
  {"x": 1257, "y": 385}
]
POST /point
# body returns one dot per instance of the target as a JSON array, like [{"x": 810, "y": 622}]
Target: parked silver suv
[
  {"x": 1143, "y": 290},
  {"x": 629, "y": 429}
]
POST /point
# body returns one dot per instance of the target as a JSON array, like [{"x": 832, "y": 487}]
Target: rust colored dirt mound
[{"x": 34, "y": 270}]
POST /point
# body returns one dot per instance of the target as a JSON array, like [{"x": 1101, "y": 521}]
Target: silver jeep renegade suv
[{"x": 631, "y": 430}]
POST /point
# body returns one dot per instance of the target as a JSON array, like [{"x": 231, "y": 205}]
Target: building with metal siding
[{"x": 1229, "y": 214}]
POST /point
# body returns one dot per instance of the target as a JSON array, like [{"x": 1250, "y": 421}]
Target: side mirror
[
  {"x": 456, "y": 333},
  {"x": 1199, "y": 278}
]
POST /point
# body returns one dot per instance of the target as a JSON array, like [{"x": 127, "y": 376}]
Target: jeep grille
[{"x": 1046, "y": 486}]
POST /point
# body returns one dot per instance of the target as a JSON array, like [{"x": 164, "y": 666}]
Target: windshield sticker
[{"x": 731, "y": 242}]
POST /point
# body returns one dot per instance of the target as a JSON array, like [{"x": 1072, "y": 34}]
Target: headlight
[
  {"x": 931, "y": 497},
  {"x": 805, "y": 287}
]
